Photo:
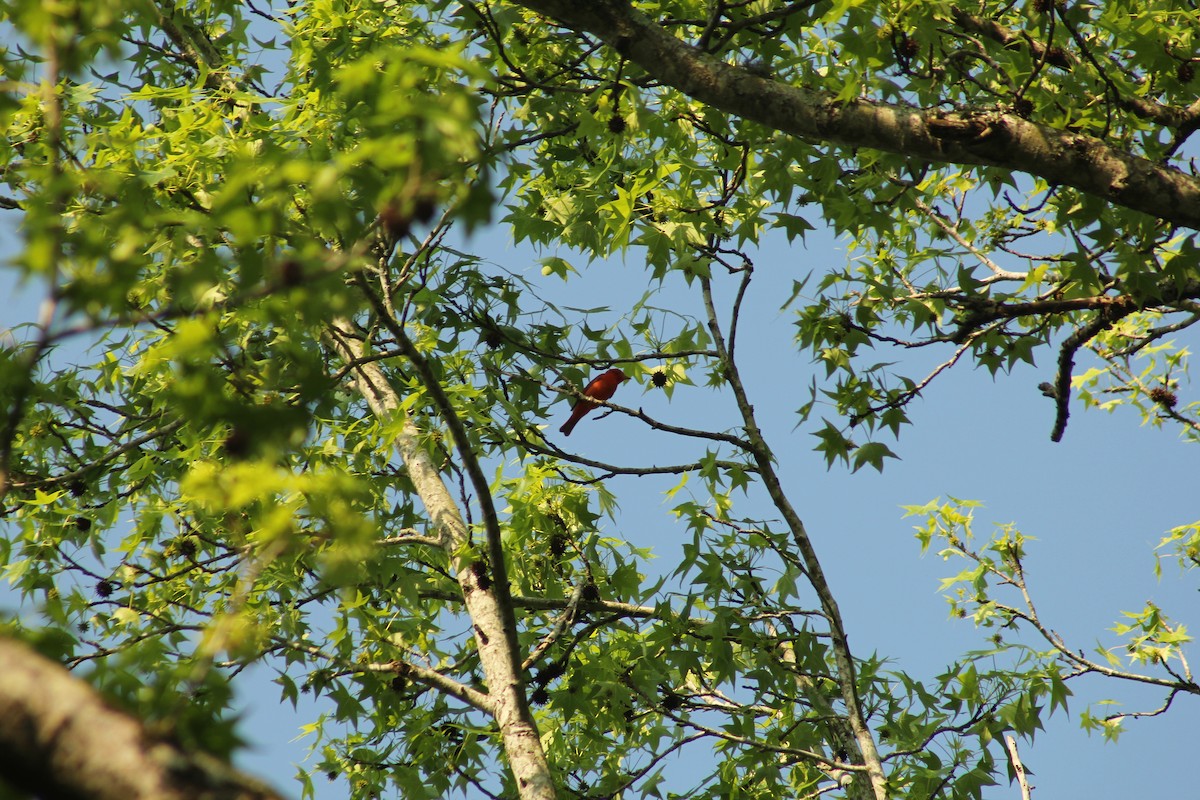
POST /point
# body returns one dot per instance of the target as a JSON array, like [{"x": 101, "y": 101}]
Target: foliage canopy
[{"x": 313, "y": 428}]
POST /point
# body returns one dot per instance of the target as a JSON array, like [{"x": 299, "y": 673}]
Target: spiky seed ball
[
  {"x": 77, "y": 488},
  {"x": 540, "y": 696},
  {"x": 1022, "y": 107},
  {"x": 659, "y": 378},
  {"x": 424, "y": 209},
  {"x": 1043, "y": 6},
  {"x": 591, "y": 593},
  {"x": 1185, "y": 72},
  {"x": 395, "y": 221},
  {"x": 617, "y": 124},
  {"x": 1163, "y": 396},
  {"x": 671, "y": 701},
  {"x": 237, "y": 443},
  {"x": 558, "y": 544},
  {"x": 909, "y": 46},
  {"x": 105, "y": 588},
  {"x": 83, "y": 523},
  {"x": 290, "y": 273}
]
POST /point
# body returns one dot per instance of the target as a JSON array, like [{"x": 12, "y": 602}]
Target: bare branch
[
  {"x": 1014, "y": 757},
  {"x": 846, "y": 681}
]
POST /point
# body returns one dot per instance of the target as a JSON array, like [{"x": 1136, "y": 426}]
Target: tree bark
[
  {"x": 981, "y": 138},
  {"x": 59, "y": 739},
  {"x": 494, "y": 637}
]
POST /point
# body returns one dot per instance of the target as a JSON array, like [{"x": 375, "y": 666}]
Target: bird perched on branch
[{"x": 601, "y": 387}]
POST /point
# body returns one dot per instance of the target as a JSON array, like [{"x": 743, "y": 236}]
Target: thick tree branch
[
  {"x": 984, "y": 311},
  {"x": 491, "y": 520},
  {"x": 490, "y": 620},
  {"x": 59, "y": 739},
  {"x": 1066, "y": 361},
  {"x": 983, "y": 138}
]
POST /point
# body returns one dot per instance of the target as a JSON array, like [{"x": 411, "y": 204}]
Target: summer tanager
[{"x": 601, "y": 388}]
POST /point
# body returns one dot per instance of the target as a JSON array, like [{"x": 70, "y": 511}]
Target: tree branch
[
  {"x": 1010, "y": 742},
  {"x": 500, "y": 662},
  {"x": 60, "y": 739},
  {"x": 1066, "y": 361},
  {"x": 840, "y": 644},
  {"x": 993, "y": 30},
  {"x": 981, "y": 138}
]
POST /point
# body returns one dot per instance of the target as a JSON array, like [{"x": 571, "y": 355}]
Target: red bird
[{"x": 602, "y": 387}]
